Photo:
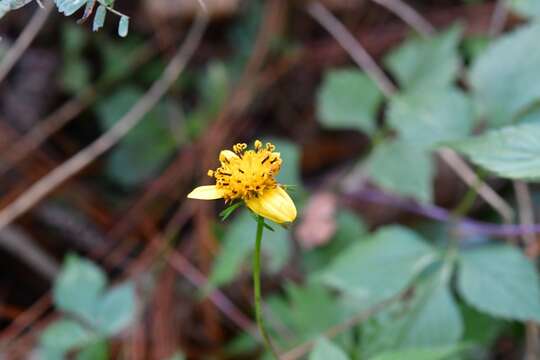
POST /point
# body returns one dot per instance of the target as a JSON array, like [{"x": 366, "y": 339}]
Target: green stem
[{"x": 257, "y": 288}]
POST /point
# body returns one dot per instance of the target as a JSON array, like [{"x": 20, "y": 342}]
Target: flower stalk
[{"x": 257, "y": 289}]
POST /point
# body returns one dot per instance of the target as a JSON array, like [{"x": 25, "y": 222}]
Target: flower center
[{"x": 245, "y": 174}]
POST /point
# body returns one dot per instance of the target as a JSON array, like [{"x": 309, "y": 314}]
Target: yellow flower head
[{"x": 249, "y": 175}]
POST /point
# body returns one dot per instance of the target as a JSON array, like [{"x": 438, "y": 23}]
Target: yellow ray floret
[{"x": 249, "y": 175}]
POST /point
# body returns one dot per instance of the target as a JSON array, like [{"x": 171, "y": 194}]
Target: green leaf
[
  {"x": 428, "y": 118},
  {"x": 380, "y": 265},
  {"x": 238, "y": 244},
  {"x": 225, "y": 213},
  {"x": 428, "y": 317},
  {"x": 511, "y": 152},
  {"x": 69, "y": 7},
  {"x": 526, "y": 8},
  {"x": 348, "y": 99},
  {"x": 402, "y": 168},
  {"x": 99, "y": 350},
  {"x": 296, "y": 312},
  {"x": 75, "y": 74},
  {"x": 435, "y": 319},
  {"x": 501, "y": 281},
  {"x": 349, "y": 228},
  {"x": 146, "y": 148},
  {"x": 74, "y": 39},
  {"x": 430, "y": 353},
  {"x": 78, "y": 287},
  {"x": 65, "y": 335},
  {"x": 505, "y": 79},
  {"x": 426, "y": 63},
  {"x": 99, "y": 18},
  {"x": 116, "y": 309},
  {"x": 326, "y": 350},
  {"x": 481, "y": 329},
  {"x": 123, "y": 26}
]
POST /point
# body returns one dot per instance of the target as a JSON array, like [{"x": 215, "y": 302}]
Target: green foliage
[
  {"x": 96, "y": 351},
  {"x": 505, "y": 77},
  {"x": 296, "y": 310},
  {"x": 434, "y": 319},
  {"x": 380, "y": 265},
  {"x": 348, "y": 99},
  {"x": 349, "y": 228},
  {"x": 428, "y": 318},
  {"x": 422, "y": 64},
  {"x": 69, "y": 7},
  {"x": 428, "y": 118},
  {"x": 325, "y": 350},
  {"x": 500, "y": 281},
  {"x": 146, "y": 148},
  {"x": 97, "y": 313},
  {"x": 432, "y": 353},
  {"x": 403, "y": 168},
  {"x": 238, "y": 244},
  {"x": 510, "y": 152},
  {"x": 527, "y": 8},
  {"x": 75, "y": 74}
]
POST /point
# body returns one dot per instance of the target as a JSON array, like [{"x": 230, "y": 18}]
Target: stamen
[{"x": 266, "y": 158}]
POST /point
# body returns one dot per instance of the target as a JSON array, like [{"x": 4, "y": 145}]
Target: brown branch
[
  {"x": 25, "y": 39},
  {"x": 331, "y": 24},
  {"x": 408, "y": 15}
]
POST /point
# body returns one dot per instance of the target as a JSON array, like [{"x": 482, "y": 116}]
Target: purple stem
[{"x": 465, "y": 226}]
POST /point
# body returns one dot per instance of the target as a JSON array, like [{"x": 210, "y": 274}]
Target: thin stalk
[{"x": 257, "y": 288}]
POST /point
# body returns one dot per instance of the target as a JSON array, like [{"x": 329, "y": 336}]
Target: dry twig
[
  {"x": 25, "y": 39},
  {"x": 86, "y": 156}
]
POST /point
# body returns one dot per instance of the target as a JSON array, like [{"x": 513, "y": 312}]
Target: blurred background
[{"x": 103, "y": 136}]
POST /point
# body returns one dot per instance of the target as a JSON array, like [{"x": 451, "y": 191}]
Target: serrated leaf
[
  {"x": 380, "y": 265},
  {"x": 501, "y": 281},
  {"x": 78, "y": 287},
  {"x": 427, "y": 63},
  {"x": 402, "y": 168},
  {"x": 526, "y": 8},
  {"x": 326, "y": 350},
  {"x": 65, "y": 335},
  {"x": 511, "y": 152},
  {"x": 428, "y": 118},
  {"x": 348, "y": 99},
  {"x": 505, "y": 79},
  {"x": 116, "y": 309}
]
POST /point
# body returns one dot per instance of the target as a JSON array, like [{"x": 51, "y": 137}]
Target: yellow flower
[{"x": 248, "y": 175}]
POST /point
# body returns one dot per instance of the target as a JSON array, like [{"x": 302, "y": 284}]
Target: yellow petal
[
  {"x": 226, "y": 156},
  {"x": 207, "y": 192},
  {"x": 275, "y": 205}
]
